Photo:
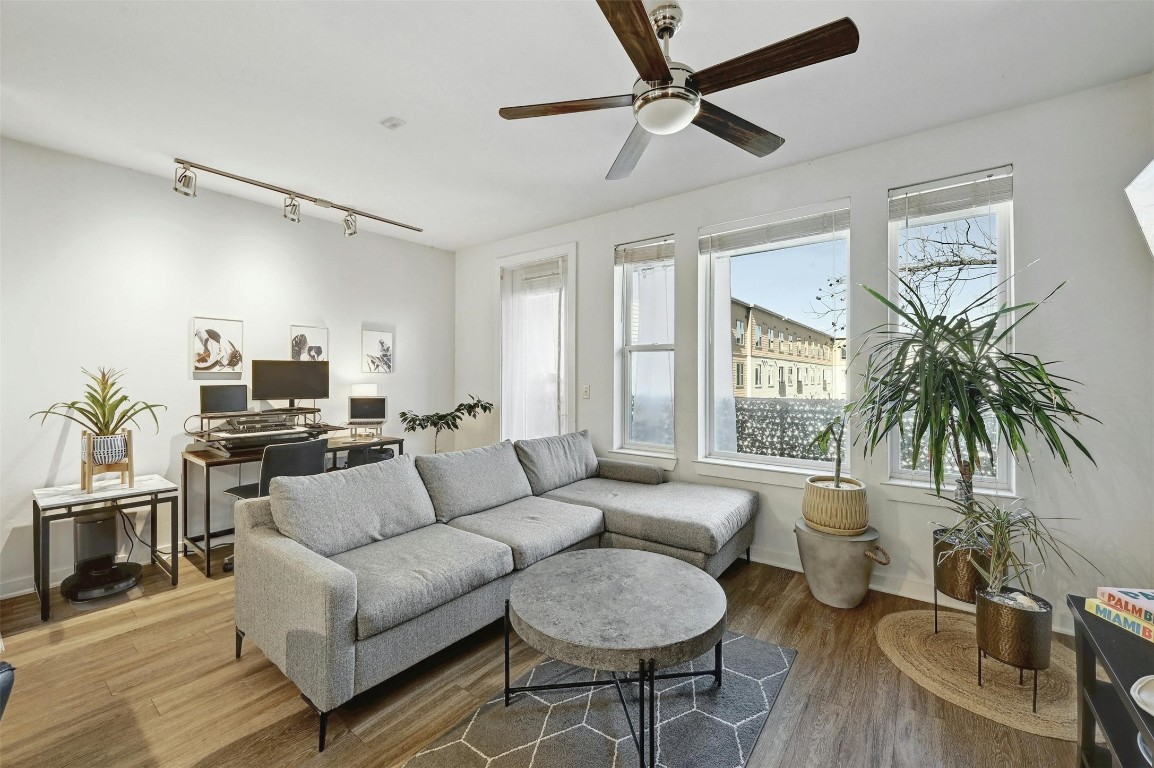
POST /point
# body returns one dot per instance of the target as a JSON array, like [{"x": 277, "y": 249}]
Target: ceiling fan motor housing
[{"x": 664, "y": 108}]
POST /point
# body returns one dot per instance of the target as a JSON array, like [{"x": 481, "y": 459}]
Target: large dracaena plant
[
  {"x": 450, "y": 421},
  {"x": 938, "y": 378},
  {"x": 105, "y": 410}
]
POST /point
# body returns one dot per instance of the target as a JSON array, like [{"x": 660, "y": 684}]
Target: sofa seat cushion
[
  {"x": 534, "y": 528},
  {"x": 403, "y": 577},
  {"x": 464, "y": 482},
  {"x": 338, "y": 511},
  {"x": 686, "y": 515},
  {"x": 551, "y": 462}
]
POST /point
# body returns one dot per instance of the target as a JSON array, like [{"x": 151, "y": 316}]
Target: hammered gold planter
[
  {"x": 840, "y": 511},
  {"x": 954, "y": 572}
]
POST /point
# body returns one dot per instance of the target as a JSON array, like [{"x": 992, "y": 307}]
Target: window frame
[
  {"x": 1005, "y": 478},
  {"x": 706, "y": 401},
  {"x": 625, "y": 350}
]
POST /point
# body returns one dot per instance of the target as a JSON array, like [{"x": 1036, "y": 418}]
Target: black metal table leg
[
  {"x": 174, "y": 535},
  {"x": 152, "y": 510},
  {"x": 641, "y": 713},
  {"x": 506, "y": 653},
  {"x": 183, "y": 502},
  {"x": 653, "y": 716},
  {"x": 717, "y": 663},
  {"x": 39, "y": 553}
]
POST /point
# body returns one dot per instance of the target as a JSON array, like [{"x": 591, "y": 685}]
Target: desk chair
[{"x": 284, "y": 460}]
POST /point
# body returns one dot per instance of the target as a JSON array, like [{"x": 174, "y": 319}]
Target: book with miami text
[
  {"x": 1137, "y": 602},
  {"x": 1125, "y": 621}
]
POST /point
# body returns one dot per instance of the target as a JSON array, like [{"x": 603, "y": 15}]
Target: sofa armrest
[
  {"x": 300, "y": 609},
  {"x": 630, "y": 471}
]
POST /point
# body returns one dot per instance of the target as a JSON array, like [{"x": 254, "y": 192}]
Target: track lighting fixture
[
  {"x": 185, "y": 184},
  {"x": 185, "y": 181},
  {"x": 292, "y": 209}
]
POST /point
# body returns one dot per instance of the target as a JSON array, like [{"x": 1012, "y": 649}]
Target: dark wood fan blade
[
  {"x": 630, "y": 153},
  {"x": 631, "y": 24},
  {"x": 566, "y": 107},
  {"x": 737, "y": 131},
  {"x": 838, "y": 38}
]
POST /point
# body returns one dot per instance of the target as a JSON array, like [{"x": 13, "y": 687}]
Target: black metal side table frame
[
  {"x": 41, "y": 524},
  {"x": 646, "y": 679}
]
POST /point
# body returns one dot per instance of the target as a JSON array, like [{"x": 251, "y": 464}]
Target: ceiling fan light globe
[{"x": 666, "y": 110}]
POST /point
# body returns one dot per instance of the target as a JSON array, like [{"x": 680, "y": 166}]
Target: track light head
[
  {"x": 185, "y": 181},
  {"x": 292, "y": 209},
  {"x": 350, "y": 222}
]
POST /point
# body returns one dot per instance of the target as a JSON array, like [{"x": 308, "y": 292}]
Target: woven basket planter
[
  {"x": 841, "y": 511},
  {"x": 106, "y": 449}
]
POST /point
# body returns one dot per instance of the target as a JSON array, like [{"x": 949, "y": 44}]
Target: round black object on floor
[{"x": 89, "y": 586}]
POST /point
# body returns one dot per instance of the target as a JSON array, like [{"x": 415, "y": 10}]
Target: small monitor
[
  {"x": 368, "y": 408},
  {"x": 223, "y": 398},
  {"x": 290, "y": 380}
]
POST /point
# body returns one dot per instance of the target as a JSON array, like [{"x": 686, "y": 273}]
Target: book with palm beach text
[{"x": 1137, "y": 602}]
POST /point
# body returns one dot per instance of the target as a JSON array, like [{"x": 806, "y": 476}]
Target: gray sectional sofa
[{"x": 347, "y": 578}]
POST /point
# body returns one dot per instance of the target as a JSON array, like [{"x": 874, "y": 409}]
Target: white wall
[
  {"x": 103, "y": 266},
  {"x": 1072, "y": 156}
]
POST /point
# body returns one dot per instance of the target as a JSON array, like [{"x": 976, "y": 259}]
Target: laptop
[
  {"x": 217, "y": 400},
  {"x": 368, "y": 411}
]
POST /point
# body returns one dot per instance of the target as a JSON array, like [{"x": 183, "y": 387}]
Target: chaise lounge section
[{"x": 348, "y": 578}]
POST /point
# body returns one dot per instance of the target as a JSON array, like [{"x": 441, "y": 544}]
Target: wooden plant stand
[{"x": 88, "y": 470}]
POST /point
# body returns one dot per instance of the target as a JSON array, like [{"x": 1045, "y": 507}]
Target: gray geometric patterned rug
[{"x": 698, "y": 724}]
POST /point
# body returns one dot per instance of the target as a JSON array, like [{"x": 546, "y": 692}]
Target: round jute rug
[{"x": 946, "y": 664}]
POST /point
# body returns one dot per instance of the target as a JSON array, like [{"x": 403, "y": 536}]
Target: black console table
[{"x": 1125, "y": 657}]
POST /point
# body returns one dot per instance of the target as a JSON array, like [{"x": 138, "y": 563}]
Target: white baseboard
[
  {"x": 25, "y": 585},
  {"x": 895, "y": 585}
]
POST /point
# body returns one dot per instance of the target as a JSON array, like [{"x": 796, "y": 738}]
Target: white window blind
[
  {"x": 660, "y": 249},
  {"x": 764, "y": 237},
  {"x": 945, "y": 196}
]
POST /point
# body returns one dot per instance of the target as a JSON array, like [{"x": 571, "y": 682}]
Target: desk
[
  {"x": 208, "y": 460},
  {"x": 61, "y": 502},
  {"x": 1125, "y": 658}
]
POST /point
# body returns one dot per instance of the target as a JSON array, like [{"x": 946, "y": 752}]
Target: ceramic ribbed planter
[{"x": 841, "y": 511}]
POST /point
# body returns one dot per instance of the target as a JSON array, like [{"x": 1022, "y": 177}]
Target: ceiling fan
[{"x": 667, "y": 96}]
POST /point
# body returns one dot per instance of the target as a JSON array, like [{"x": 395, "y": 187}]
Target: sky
[{"x": 788, "y": 280}]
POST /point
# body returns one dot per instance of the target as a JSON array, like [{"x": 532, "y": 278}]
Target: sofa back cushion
[
  {"x": 464, "y": 482},
  {"x": 338, "y": 511},
  {"x": 552, "y": 462}
]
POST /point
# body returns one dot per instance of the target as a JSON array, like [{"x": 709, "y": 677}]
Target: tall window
[
  {"x": 533, "y": 354},
  {"x": 951, "y": 240},
  {"x": 645, "y": 278},
  {"x": 785, "y": 271}
]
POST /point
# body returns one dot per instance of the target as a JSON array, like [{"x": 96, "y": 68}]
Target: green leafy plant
[
  {"x": 105, "y": 410},
  {"x": 832, "y": 433},
  {"x": 948, "y": 374},
  {"x": 1009, "y": 535},
  {"x": 450, "y": 421}
]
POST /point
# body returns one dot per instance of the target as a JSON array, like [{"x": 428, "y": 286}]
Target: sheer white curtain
[{"x": 532, "y": 350}]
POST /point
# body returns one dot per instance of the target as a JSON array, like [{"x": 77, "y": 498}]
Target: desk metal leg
[
  {"x": 152, "y": 528},
  {"x": 183, "y": 502},
  {"x": 207, "y": 522}
]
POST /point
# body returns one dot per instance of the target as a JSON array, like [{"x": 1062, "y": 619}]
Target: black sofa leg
[
  {"x": 239, "y": 640},
  {"x": 748, "y": 556},
  {"x": 324, "y": 724}
]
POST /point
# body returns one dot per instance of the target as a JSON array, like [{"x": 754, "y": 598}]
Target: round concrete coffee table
[{"x": 620, "y": 611}]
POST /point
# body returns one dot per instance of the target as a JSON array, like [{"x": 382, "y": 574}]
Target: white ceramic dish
[
  {"x": 1145, "y": 750},
  {"x": 1143, "y": 693}
]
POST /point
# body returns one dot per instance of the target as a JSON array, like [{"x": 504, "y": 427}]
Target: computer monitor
[
  {"x": 290, "y": 380},
  {"x": 223, "y": 398},
  {"x": 368, "y": 408}
]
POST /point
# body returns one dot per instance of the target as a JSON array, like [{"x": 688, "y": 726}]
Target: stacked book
[{"x": 1130, "y": 608}]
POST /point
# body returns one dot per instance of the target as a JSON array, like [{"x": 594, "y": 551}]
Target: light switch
[{"x": 584, "y": 391}]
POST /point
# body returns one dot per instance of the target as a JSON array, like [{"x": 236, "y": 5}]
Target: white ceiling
[{"x": 292, "y": 93}]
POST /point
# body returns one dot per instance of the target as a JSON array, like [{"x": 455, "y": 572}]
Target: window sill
[
  {"x": 665, "y": 461},
  {"x": 922, "y": 492},
  {"x": 790, "y": 477}
]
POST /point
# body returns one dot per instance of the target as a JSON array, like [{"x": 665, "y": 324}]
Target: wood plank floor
[{"x": 151, "y": 681}]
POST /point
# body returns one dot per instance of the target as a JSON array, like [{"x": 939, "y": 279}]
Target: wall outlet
[{"x": 584, "y": 391}]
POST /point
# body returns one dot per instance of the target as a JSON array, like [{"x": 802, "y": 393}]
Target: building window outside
[
  {"x": 952, "y": 241},
  {"x": 645, "y": 277},
  {"x": 784, "y": 273}
]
